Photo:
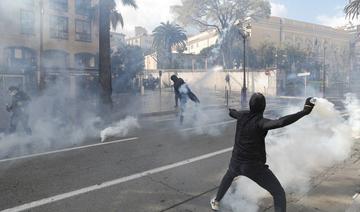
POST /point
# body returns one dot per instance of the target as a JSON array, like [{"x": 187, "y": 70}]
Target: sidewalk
[{"x": 333, "y": 189}]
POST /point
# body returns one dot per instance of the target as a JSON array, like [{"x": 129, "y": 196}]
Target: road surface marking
[
  {"x": 163, "y": 120},
  {"x": 355, "y": 205},
  {"x": 209, "y": 125},
  {"x": 118, "y": 181},
  {"x": 68, "y": 149}
]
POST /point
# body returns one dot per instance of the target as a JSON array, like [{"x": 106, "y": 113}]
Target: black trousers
[
  {"x": 263, "y": 176},
  {"x": 17, "y": 118}
]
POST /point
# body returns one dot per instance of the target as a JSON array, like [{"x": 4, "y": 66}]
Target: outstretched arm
[
  {"x": 193, "y": 97},
  {"x": 267, "y": 124},
  {"x": 234, "y": 113}
]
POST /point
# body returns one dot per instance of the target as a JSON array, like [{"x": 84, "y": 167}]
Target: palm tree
[
  {"x": 108, "y": 15},
  {"x": 166, "y": 37},
  {"x": 352, "y": 9}
]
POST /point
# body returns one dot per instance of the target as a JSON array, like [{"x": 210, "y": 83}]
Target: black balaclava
[
  {"x": 257, "y": 103},
  {"x": 174, "y": 78}
]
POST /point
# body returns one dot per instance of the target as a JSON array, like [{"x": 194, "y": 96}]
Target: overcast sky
[{"x": 151, "y": 12}]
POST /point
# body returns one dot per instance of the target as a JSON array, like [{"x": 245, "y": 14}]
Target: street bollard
[
  {"x": 227, "y": 97},
  {"x": 142, "y": 90}
]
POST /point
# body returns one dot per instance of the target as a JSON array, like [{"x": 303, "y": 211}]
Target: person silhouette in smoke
[
  {"x": 249, "y": 155},
  {"x": 182, "y": 93},
  {"x": 18, "y": 109}
]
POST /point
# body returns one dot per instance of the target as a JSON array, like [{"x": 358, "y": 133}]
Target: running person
[
  {"x": 19, "y": 110},
  {"x": 182, "y": 93},
  {"x": 249, "y": 155}
]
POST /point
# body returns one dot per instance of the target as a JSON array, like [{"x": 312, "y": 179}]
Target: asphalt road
[{"x": 163, "y": 166}]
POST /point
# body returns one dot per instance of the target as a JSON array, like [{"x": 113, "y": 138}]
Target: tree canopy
[
  {"x": 166, "y": 37},
  {"x": 126, "y": 62},
  {"x": 219, "y": 14},
  {"x": 228, "y": 17}
]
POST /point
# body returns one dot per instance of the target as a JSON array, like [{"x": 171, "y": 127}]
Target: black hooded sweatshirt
[
  {"x": 251, "y": 130},
  {"x": 178, "y": 82}
]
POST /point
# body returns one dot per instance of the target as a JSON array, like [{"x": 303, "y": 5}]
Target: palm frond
[
  {"x": 352, "y": 10},
  {"x": 168, "y": 35},
  {"x": 130, "y": 3},
  {"x": 115, "y": 19}
]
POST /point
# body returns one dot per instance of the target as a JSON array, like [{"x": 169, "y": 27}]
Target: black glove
[
  {"x": 232, "y": 112},
  {"x": 308, "y": 107}
]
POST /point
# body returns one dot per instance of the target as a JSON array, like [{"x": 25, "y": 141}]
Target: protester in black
[
  {"x": 249, "y": 155},
  {"x": 182, "y": 93},
  {"x": 18, "y": 109},
  {"x": 177, "y": 83}
]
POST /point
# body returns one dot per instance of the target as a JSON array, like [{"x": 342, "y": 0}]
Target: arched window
[
  {"x": 54, "y": 58},
  {"x": 85, "y": 60},
  {"x": 20, "y": 58}
]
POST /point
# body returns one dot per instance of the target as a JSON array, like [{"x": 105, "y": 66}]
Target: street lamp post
[
  {"x": 41, "y": 77},
  {"x": 324, "y": 72},
  {"x": 245, "y": 32},
  {"x": 243, "y": 89}
]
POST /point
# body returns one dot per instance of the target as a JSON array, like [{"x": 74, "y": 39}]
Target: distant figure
[
  {"x": 227, "y": 80},
  {"x": 18, "y": 109},
  {"x": 182, "y": 92},
  {"x": 249, "y": 154}
]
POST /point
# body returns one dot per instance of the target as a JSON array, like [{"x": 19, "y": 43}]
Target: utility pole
[
  {"x": 245, "y": 32},
  {"x": 243, "y": 89},
  {"x": 324, "y": 72},
  {"x": 41, "y": 74}
]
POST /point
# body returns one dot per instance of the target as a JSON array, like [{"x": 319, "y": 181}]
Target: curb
[
  {"x": 170, "y": 112},
  {"x": 160, "y": 113}
]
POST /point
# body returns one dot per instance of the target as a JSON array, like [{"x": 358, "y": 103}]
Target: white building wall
[
  {"x": 215, "y": 80},
  {"x": 201, "y": 41}
]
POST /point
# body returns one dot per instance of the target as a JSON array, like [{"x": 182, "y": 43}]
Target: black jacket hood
[
  {"x": 174, "y": 78},
  {"x": 257, "y": 103}
]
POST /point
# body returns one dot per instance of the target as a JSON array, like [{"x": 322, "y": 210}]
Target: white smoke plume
[
  {"x": 121, "y": 128},
  {"x": 352, "y": 105},
  {"x": 205, "y": 120},
  {"x": 297, "y": 152},
  {"x": 57, "y": 120}
]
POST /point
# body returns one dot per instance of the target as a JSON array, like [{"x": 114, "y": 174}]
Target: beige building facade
[
  {"x": 143, "y": 41},
  {"x": 201, "y": 41},
  {"x": 116, "y": 40},
  {"x": 150, "y": 62},
  {"x": 281, "y": 32},
  {"x": 141, "y": 38},
  {"x": 47, "y": 34},
  {"x": 312, "y": 38}
]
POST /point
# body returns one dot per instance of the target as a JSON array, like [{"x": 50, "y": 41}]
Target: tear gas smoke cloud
[
  {"x": 196, "y": 115},
  {"x": 202, "y": 120},
  {"x": 298, "y": 152},
  {"x": 352, "y": 105},
  {"x": 57, "y": 120},
  {"x": 121, "y": 128}
]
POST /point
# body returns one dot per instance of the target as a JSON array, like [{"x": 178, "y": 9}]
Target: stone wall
[{"x": 215, "y": 80}]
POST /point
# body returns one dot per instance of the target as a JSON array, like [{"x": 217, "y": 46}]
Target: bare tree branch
[{"x": 206, "y": 24}]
